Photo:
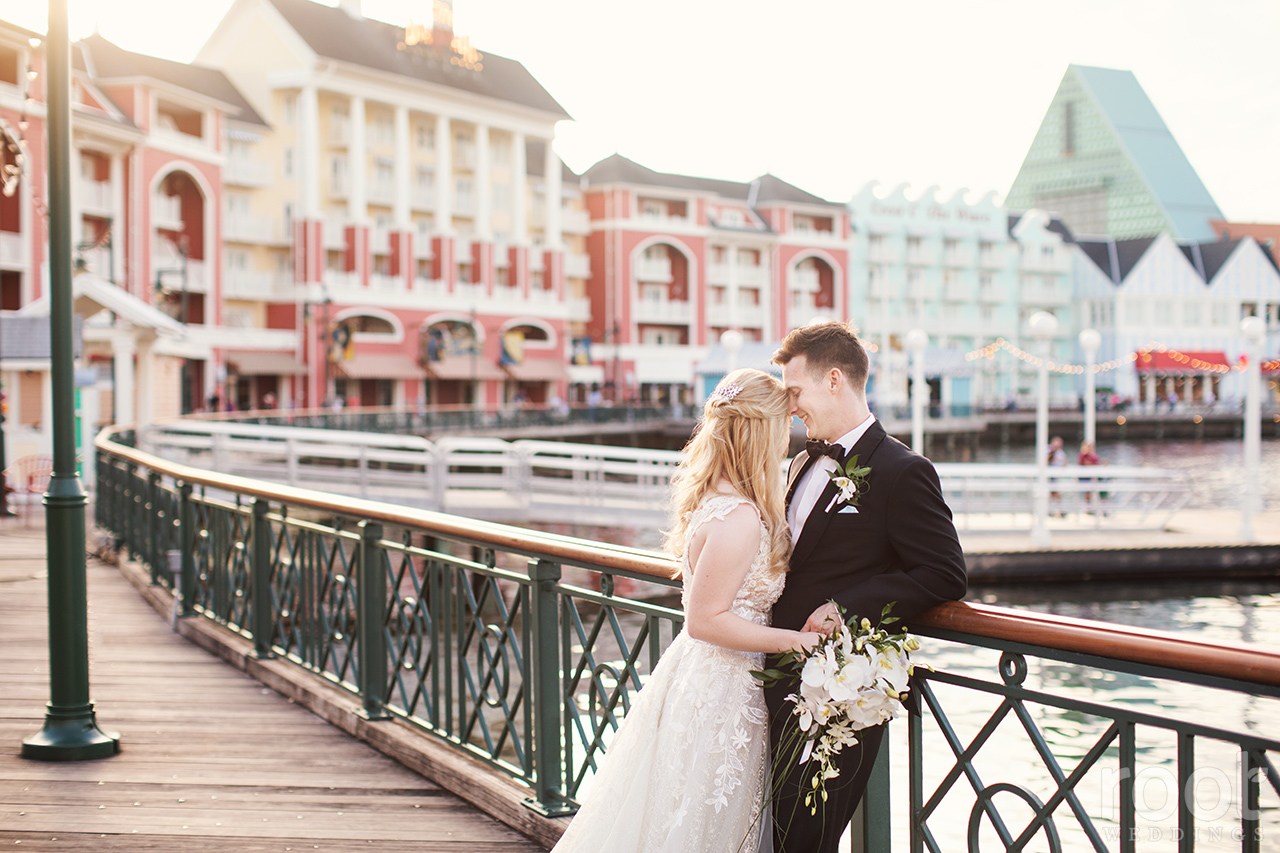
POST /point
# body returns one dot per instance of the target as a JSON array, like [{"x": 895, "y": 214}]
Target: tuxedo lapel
[
  {"x": 814, "y": 526},
  {"x": 798, "y": 467}
]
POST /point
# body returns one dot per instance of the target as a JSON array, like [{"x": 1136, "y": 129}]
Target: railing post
[
  {"x": 263, "y": 612},
  {"x": 871, "y": 820},
  {"x": 188, "y": 535},
  {"x": 372, "y": 622},
  {"x": 154, "y": 545},
  {"x": 544, "y": 652}
]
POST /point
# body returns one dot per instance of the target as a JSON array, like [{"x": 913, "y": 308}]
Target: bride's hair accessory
[{"x": 726, "y": 392}]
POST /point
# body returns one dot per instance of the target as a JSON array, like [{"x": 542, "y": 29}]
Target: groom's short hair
[{"x": 826, "y": 345}]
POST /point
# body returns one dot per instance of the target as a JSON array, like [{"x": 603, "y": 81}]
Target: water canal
[{"x": 1227, "y": 613}]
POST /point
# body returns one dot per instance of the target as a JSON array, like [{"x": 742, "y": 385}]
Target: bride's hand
[
  {"x": 806, "y": 640},
  {"x": 824, "y": 620}
]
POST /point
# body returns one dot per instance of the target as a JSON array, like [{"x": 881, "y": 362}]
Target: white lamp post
[
  {"x": 917, "y": 340},
  {"x": 1090, "y": 340},
  {"x": 731, "y": 340},
  {"x": 1254, "y": 332},
  {"x": 1043, "y": 325}
]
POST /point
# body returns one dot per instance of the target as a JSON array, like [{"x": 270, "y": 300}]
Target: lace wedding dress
[{"x": 686, "y": 770}]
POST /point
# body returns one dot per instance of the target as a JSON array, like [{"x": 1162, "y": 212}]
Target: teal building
[{"x": 1105, "y": 163}]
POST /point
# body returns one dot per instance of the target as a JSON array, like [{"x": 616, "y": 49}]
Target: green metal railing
[{"x": 525, "y": 650}]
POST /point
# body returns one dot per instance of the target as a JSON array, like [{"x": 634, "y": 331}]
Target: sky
[{"x": 832, "y": 94}]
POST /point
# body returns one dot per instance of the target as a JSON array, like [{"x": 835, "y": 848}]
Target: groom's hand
[{"x": 824, "y": 620}]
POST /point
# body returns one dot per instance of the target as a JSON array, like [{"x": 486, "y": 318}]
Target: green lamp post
[{"x": 70, "y": 730}]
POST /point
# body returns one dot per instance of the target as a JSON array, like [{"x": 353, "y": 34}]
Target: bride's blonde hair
[{"x": 741, "y": 441}]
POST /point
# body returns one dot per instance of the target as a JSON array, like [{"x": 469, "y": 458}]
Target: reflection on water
[{"x": 1230, "y": 614}]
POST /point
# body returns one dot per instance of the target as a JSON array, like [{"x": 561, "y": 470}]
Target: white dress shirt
[{"x": 813, "y": 481}]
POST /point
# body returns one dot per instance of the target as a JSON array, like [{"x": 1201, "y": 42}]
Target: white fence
[{"x": 546, "y": 481}]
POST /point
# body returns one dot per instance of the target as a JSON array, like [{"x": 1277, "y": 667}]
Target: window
[
  {"x": 289, "y": 110},
  {"x": 501, "y": 149},
  {"x": 1219, "y": 314},
  {"x": 424, "y": 136},
  {"x": 386, "y": 174},
  {"x": 654, "y": 209},
  {"x": 1248, "y": 309},
  {"x": 1163, "y": 312},
  {"x": 1190, "y": 314},
  {"x": 288, "y": 163}
]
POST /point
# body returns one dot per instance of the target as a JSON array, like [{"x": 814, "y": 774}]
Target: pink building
[{"x": 676, "y": 261}]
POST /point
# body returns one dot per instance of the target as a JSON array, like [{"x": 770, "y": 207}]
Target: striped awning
[
  {"x": 260, "y": 363},
  {"x": 537, "y": 370},
  {"x": 464, "y": 367},
  {"x": 380, "y": 366}
]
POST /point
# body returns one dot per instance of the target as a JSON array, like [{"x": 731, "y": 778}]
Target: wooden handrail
[{"x": 1102, "y": 639}]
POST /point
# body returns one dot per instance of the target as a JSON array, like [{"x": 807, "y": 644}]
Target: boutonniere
[{"x": 851, "y": 480}]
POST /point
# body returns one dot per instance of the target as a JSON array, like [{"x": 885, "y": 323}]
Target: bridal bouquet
[{"x": 854, "y": 679}]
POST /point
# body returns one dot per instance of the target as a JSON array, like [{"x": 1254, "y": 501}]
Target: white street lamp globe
[
  {"x": 731, "y": 340},
  {"x": 917, "y": 340},
  {"x": 1043, "y": 324},
  {"x": 1090, "y": 340},
  {"x": 1253, "y": 328}
]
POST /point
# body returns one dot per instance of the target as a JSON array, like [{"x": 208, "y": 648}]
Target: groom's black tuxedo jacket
[{"x": 900, "y": 545}]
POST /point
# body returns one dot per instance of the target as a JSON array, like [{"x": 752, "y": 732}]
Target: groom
[{"x": 897, "y": 544}]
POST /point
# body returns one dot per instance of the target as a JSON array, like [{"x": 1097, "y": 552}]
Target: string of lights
[{"x": 991, "y": 350}]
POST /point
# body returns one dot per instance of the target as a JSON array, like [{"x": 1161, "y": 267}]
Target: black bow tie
[{"x": 817, "y": 447}]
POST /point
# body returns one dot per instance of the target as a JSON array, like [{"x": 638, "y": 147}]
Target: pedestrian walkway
[{"x": 210, "y": 760}]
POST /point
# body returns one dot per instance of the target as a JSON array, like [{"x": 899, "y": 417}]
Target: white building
[
  {"x": 968, "y": 274},
  {"x": 1186, "y": 302}
]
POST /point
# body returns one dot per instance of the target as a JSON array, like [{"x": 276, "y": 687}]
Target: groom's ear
[{"x": 835, "y": 378}]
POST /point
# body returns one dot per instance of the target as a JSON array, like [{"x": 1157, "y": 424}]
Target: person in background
[
  {"x": 1057, "y": 459},
  {"x": 1088, "y": 456}
]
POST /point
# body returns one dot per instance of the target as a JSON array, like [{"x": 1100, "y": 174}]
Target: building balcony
[
  {"x": 335, "y": 233},
  {"x": 960, "y": 256},
  {"x": 575, "y": 221},
  {"x": 167, "y": 268},
  {"x": 579, "y": 309},
  {"x": 577, "y": 265},
  {"x": 97, "y": 261},
  {"x": 470, "y": 291},
  {"x": 11, "y": 247},
  {"x": 339, "y": 131},
  {"x": 990, "y": 293},
  {"x": 1054, "y": 296},
  {"x": 422, "y": 246},
  {"x": 240, "y": 228},
  {"x": 805, "y": 280},
  {"x": 653, "y": 269},
  {"x": 922, "y": 256},
  {"x": 881, "y": 288},
  {"x": 991, "y": 259},
  {"x": 339, "y": 186},
  {"x": 537, "y": 259},
  {"x": 166, "y": 212},
  {"x": 883, "y": 253},
  {"x": 380, "y": 240},
  {"x": 958, "y": 291},
  {"x": 722, "y": 314},
  {"x": 753, "y": 275},
  {"x": 246, "y": 172},
  {"x": 422, "y": 198},
  {"x": 382, "y": 193},
  {"x": 662, "y": 311},
  {"x": 717, "y": 273},
  {"x": 96, "y": 197},
  {"x": 464, "y": 158},
  {"x": 464, "y": 204},
  {"x": 384, "y": 283},
  {"x": 660, "y": 221},
  {"x": 1036, "y": 261},
  {"x": 341, "y": 281},
  {"x": 254, "y": 285}
]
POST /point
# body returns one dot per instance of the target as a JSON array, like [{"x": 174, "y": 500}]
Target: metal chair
[{"x": 28, "y": 476}]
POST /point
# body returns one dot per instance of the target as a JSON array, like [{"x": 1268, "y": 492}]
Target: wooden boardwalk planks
[{"x": 210, "y": 761}]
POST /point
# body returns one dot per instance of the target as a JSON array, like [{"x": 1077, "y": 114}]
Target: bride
[{"x": 686, "y": 770}]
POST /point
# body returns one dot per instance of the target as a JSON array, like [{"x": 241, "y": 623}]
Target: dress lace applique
[{"x": 686, "y": 770}]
